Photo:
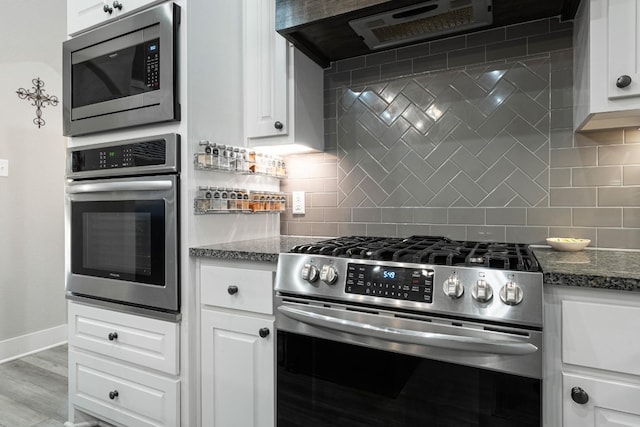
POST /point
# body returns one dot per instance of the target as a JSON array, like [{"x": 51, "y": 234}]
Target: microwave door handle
[
  {"x": 431, "y": 339},
  {"x": 102, "y": 187}
]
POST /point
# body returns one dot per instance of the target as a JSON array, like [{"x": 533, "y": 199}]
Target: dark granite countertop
[
  {"x": 266, "y": 249},
  {"x": 591, "y": 268}
]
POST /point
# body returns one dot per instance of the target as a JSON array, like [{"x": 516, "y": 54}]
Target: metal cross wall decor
[{"x": 38, "y": 98}]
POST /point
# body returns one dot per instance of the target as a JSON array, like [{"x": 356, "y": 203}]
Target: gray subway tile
[
  {"x": 337, "y": 214},
  {"x": 382, "y": 230},
  {"x": 448, "y": 44},
  {"x": 544, "y": 43},
  {"x": 631, "y": 217},
  {"x": 325, "y": 229},
  {"x": 486, "y": 233},
  {"x": 321, "y": 200},
  {"x": 506, "y": 216},
  {"x": 414, "y": 230},
  {"x": 456, "y": 232},
  {"x": 465, "y": 216},
  {"x": 352, "y": 229},
  {"x": 506, "y": 49},
  {"x": 299, "y": 228},
  {"x": 399, "y": 215},
  {"x": 622, "y": 238},
  {"x": 597, "y": 217},
  {"x": 462, "y": 57},
  {"x": 527, "y": 189},
  {"x": 560, "y": 177},
  {"x": 596, "y": 176},
  {"x": 631, "y": 175},
  {"x": 561, "y": 118},
  {"x": 549, "y": 216},
  {"x": 530, "y": 235},
  {"x": 337, "y": 80},
  {"x": 561, "y": 59},
  {"x": 574, "y": 157},
  {"x": 350, "y": 64},
  {"x": 430, "y": 215},
  {"x": 631, "y": 136},
  {"x": 311, "y": 215},
  {"x": 561, "y": 138},
  {"x": 365, "y": 75},
  {"x": 430, "y": 63},
  {"x": 396, "y": 69},
  {"x": 380, "y": 58},
  {"x": 480, "y": 38},
  {"x": 366, "y": 214},
  {"x": 625, "y": 196},
  {"x": 413, "y": 51},
  {"x": 571, "y": 197},
  {"x": 619, "y": 154}
]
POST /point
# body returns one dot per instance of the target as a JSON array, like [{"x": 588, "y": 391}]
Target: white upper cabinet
[
  {"x": 607, "y": 64},
  {"x": 283, "y": 91},
  {"x": 83, "y": 15}
]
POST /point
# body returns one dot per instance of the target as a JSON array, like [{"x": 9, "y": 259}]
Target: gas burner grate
[{"x": 433, "y": 250}]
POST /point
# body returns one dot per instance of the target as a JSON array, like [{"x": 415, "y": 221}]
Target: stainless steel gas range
[{"x": 409, "y": 331}]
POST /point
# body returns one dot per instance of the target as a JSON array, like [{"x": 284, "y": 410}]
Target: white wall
[{"x": 32, "y": 304}]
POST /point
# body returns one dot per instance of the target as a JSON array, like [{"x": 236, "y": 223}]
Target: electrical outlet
[
  {"x": 298, "y": 202},
  {"x": 4, "y": 167}
]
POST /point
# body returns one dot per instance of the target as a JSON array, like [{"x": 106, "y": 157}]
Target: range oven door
[
  {"x": 343, "y": 368},
  {"x": 123, "y": 241}
]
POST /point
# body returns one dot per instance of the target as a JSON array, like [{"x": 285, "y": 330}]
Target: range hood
[{"x": 330, "y": 30}]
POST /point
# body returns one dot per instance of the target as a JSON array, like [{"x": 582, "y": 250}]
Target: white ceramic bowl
[{"x": 568, "y": 244}]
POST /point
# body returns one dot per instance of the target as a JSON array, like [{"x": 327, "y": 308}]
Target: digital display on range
[{"x": 389, "y": 282}]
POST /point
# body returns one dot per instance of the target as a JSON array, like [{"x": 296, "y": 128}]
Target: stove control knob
[
  {"x": 310, "y": 273},
  {"x": 482, "y": 291},
  {"x": 452, "y": 287},
  {"x": 328, "y": 274},
  {"x": 511, "y": 293}
]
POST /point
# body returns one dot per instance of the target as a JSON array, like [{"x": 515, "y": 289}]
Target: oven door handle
[
  {"x": 103, "y": 187},
  {"x": 431, "y": 339}
]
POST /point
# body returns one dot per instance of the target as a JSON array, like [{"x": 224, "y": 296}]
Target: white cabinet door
[
  {"x": 623, "y": 48},
  {"x": 266, "y": 72},
  {"x": 609, "y": 404},
  {"x": 238, "y": 371},
  {"x": 85, "y": 14}
]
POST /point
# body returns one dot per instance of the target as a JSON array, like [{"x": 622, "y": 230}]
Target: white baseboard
[{"x": 24, "y": 345}]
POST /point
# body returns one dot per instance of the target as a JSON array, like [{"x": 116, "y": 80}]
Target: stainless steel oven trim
[
  {"x": 153, "y": 107},
  {"x": 162, "y": 298},
  {"x": 171, "y": 165},
  {"x": 506, "y": 349}
]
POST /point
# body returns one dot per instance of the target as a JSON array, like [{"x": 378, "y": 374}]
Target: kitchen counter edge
[
  {"x": 263, "y": 250},
  {"x": 591, "y": 268}
]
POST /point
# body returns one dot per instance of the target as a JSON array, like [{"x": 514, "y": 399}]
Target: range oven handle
[
  {"x": 102, "y": 187},
  {"x": 431, "y": 339}
]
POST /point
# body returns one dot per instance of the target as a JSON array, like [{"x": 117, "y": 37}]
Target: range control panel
[{"x": 390, "y": 282}]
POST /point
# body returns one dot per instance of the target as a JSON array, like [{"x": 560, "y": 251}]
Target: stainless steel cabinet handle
[{"x": 432, "y": 339}]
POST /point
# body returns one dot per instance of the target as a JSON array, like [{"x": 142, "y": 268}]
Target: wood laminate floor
[{"x": 33, "y": 390}]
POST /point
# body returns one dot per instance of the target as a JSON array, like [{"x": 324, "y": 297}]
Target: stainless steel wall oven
[
  {"x": 122, "y": 74},
  {"x": 123, "y": 222},
  {"x": 422, "y": 331}
]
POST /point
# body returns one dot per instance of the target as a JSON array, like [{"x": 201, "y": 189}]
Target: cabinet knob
[
  {"x": 113, "y": 394},
  {"x": 263, "y": 332},
  {"x": 107, "y": 9},
  {"x": 232, "y": 290},
  {"x": 117, "y": 5},
  {"x": 113, "y": 336},
  {"x": 579, "y": 395},
  {"x": 623, "y": 81},
  {"x": 278, "y": 125}
]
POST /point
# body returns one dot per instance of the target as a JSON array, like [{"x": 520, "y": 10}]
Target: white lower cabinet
[
  {"x": 237, "y": 347},
  {"x": 123, "y": 368},
  {"x": 237, "y": 370},
  {"x": 608, "y": 403},
  {"x": 600, "y": 379}
]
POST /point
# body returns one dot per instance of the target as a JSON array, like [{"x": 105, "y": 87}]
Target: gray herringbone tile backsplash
[{"x": 468, "y": 137}]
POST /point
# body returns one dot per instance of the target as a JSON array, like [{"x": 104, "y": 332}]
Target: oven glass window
[
  {"x": 126, "y": 72},
  {"x": 324, "y": 383},
  {"x": 119, "y": 239}
]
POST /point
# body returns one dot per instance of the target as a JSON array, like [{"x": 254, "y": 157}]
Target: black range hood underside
[{"x": 320, "y": 28}]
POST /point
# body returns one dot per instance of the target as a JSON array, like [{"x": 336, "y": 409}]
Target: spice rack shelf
[
  {"x": 215, "y": 200},
  {"x": 226, "y": 158}
]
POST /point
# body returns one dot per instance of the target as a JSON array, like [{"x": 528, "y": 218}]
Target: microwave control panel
[
  {"x": 152, "y": 64},
  {"x": 146, "y": 153}
]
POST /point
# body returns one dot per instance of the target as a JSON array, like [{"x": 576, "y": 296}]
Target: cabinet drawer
[
  {"x": 138, "y": 398},
  {"x": 254, "y": 288},
  {"x": 601, "y": 336},
  {"x": 150, "y": 343},
  {"x": 610, "y": 403}
]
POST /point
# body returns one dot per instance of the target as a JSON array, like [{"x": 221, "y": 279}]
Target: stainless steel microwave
[{"x": 122, "y": 74}]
